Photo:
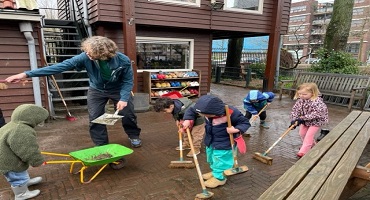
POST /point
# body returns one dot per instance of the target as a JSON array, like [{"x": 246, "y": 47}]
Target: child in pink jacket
[{"x": 310, "y": 113}]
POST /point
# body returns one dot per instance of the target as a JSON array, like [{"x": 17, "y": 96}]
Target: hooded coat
[
  {"x": 256, "y": 100},
  {"x": 312, "y": 112},
  {"x": 216, "y": 134},
  {"x": 18, "y": 145},
  {"x": 180, "y": 107}
]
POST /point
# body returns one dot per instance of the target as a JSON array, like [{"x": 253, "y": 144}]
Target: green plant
[
  {"x": 336, "y": 62},
  {"x": 259, "y": 69}
]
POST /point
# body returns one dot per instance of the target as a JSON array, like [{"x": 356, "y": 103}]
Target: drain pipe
[
  {"x": 86, "y": 17},
  {"x": 26, "y": 29}
]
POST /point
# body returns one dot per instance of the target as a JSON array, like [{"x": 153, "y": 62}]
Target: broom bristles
[
  {"x": 173, "y": 165},
  {"x": 3, "y": 86},
  {"x": 264, "y": 159}
]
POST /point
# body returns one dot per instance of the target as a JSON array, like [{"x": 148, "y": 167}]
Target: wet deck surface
[{"x": 146, "y": 175}]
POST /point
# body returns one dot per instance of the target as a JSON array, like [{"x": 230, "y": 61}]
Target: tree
[
  {"x": 300, "y": 35},
  {"x": 340, "y": 24},
  {"x": 48, "y": 8},
  {"x": 234, "y": 54}
]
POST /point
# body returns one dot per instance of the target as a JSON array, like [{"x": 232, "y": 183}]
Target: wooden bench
[
  {"x": 329, "y": 170},
  {"x": 244, "y": 71},
  {"x": 353, "y": 87}
]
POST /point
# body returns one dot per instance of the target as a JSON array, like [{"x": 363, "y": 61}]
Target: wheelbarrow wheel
[{"x": 118, "y": 164}]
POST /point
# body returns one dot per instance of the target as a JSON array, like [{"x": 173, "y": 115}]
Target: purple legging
[{"x": 307, "y": 134}]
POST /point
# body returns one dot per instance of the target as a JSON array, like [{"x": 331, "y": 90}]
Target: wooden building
[{"x": 163, "y": 34}]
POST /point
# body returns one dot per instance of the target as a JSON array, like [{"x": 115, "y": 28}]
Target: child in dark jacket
[
  {"x": 254, "y": 103},
  {"x": 19, "y": 149},
  {"x": 310, "y": 112},
  {"x": 217, "y": 139},
  {"x": 177, "y": 108}
]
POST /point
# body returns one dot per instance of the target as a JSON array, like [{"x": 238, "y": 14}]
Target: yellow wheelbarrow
[{"x": 110, "y": 154}]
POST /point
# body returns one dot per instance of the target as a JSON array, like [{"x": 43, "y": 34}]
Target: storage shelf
[
  {"x": 148, "y": 82},
  {"x": 164, "y": 88},
  {"x": 183, "y": 78}
]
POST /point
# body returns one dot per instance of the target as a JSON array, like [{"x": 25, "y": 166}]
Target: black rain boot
[{"x": 323, "y": 133}]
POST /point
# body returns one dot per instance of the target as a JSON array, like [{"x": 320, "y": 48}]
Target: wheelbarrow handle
[{"x": 55, "y": 154}]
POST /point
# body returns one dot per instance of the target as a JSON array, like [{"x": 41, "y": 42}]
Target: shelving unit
[{"x": 188, "y": 85}]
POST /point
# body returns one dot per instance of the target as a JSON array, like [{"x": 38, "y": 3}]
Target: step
[
  {"x": 71, "y": 80},
  {"x": 60, "y": 56},
  {"x": 58, "y": 22},
  {"x": 74, "y": 72},
  {"x": 78, "y": 48},
  {"x": 48, "y": 40},
  {"x": 69, "y": 98},
  {"x": 70, "y": 108},
  {"x": 59, "y": 26},
  {"x": 69, "y": 89},
  {"x": 51, "y": 33}
]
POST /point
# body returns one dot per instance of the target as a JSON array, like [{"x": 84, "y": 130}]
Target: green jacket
[
  {"x": 178, "y": 113},
  {"x": 18, "y": 145}
]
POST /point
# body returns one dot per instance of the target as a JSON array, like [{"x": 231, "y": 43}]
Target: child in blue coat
[
  {"x": 254, "y": 103},
  {"x": 217, "y": 139}
]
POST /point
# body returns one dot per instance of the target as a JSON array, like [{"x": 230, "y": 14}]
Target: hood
[
  {"x": 29, "y": 114},
  {"x": 209, "y": 104}
]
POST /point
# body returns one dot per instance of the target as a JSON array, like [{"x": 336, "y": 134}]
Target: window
[
  {"x": 296, "y": 38},
  {"x": 353, "y": 48},
  {"x": 295, "y": 29},
  {"x": 298, "y": 9},
  {"x": 358, "y": 11},
  {"x": 298, "y": 19},
  {"x": 359, "y": 1},
  {"x": 182, "y": 2},
  {"x": 357, "y": 23},
  {"x": 164, "y": 53},
  {"x": 252, "y": 6}
]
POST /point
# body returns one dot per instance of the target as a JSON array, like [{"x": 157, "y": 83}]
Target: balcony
[
  {"x": 323, "y": 11},
  {"x": 318, "y": 32},
  {"x": 320, "y": 21}
]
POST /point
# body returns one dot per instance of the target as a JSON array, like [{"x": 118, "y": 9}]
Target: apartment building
[{"x": 309, "y": 20}]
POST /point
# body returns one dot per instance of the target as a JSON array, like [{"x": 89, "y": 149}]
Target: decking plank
[{"x": 292, "y": 177}]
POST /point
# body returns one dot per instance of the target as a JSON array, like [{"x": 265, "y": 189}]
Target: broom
[
  {"x": 69, "y": 117},
  {"x": 181, "y": 163},
  {"x": 205, "y": 193},
  {"x": 236, "y": 168},
  {"x": 253, "y": 119},
  {"x": 263, "y": 157}
]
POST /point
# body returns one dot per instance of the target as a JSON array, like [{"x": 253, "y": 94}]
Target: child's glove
[
  {"x": 296, "y": 123},
  {"x": 240, "y": 143}
]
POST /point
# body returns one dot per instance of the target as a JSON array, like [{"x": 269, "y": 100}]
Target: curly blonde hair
[
  {"x": 99, "y": 47},
  {"x": 309, "y": 87}
]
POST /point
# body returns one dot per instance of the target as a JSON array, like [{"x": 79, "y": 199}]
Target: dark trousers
[
  {"x": 96, "y": 101},
  {"x": 2, "y": 120},
  {"x": 262, "y": 116}
]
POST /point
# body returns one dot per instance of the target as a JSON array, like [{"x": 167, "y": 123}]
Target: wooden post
[
  {"x": 274, "y": 44},
  {"x": 129, "y": 35}
]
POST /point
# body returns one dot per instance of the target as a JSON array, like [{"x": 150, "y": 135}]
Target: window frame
[
  {"x": 191, "y": 51},
  {"x": 259, "y": 11},
  {"x": 174, "y": 2}
]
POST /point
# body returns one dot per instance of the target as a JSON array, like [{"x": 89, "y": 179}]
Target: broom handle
[
  {"x": 180, "y": 144},
  {"x": 263, "y": 109},
  {"x": 196, "y": 162},
  {"x": 281, "y": 137},
  {"x": 60, "y": 94},
  {"x": 231, "y": 136}
]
